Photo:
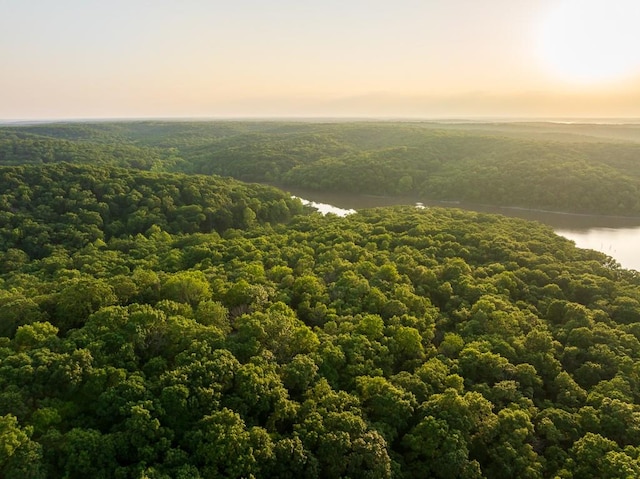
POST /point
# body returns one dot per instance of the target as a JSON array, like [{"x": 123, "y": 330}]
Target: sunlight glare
[{"x": 591, "y": 41}]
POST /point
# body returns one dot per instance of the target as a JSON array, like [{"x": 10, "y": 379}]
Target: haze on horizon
[{"x": 349, "y": 58}]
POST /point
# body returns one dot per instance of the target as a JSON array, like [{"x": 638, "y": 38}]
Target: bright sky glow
[
  {"x": 592, "y": 41},
  {"x": 246, "y": 58}
]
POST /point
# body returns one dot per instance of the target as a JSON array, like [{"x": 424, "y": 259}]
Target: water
[
  {"x": 618, "y": 237},
  {"x": 623, "y": 244},
  {"x": 326, "y": 208}
]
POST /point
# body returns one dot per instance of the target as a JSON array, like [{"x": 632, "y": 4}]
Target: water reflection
[
  {"x": 326, "y": 208},
  {"x": 621, "y": 243}
]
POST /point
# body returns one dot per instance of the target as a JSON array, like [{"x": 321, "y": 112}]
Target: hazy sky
[{"x": 390, "y": 58}]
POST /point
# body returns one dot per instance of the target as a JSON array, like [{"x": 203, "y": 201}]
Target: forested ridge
[
  {"x": 575, "y": 168},
  {"x": 165, "y": 325},
  {"x": 43, "y": 207}
]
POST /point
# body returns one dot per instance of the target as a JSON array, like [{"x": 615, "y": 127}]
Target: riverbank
[
  {"x": 555, "y": 219},
  {"x": 616, "y": 236}
]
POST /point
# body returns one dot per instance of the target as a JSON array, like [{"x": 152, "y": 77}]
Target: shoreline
[{"x": 346, "y": 200}]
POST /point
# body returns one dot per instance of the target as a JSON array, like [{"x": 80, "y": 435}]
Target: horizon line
[{"x": 338, "y": 118}]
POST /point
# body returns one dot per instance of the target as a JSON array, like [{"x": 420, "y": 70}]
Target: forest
[
  {"x": 160, "y": 321},
  {"x": 590, "y": 169}
]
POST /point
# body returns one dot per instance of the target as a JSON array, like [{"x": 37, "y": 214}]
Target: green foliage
[
  {"x": 165, "y": 325},
  {"x": 75, "y": 206},
  {"x": 190, "y": 287},
  {"x": 579, "y": 168},
  {"x": 20, "y": 457}
]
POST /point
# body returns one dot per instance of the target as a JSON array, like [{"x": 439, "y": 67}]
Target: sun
[{"x": 591, "y": 41}]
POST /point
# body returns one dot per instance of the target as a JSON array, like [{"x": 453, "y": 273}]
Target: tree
[
  {"x": 79, "y": 298},
  {"x": 508, "y": 448},
  {"x": 189, "y": 287},
  {"x": 594, "y": 456},
  {"x": 213, "y": 313},
  {"x": 387, "y": 406},
  {"x": 222, "y": 446},
  {"x": 20, "y": 457},
  {"x": 17, "y": 312},
  {"x": 434, "y": 449},
  {"x": 86, "y": 452}
]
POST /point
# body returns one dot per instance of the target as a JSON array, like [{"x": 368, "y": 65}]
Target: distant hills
[{"x": 583, "y": 168}]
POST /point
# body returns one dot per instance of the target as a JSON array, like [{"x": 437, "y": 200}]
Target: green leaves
[
  {"x": 80, "y": 298},
  {"x": 393, "y": 342},
  {"x": 189, "y": 287},
  {"x": 20, "y": 457},
  {"x": 223, "y": 446}
]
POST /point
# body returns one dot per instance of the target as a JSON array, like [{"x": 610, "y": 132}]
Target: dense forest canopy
[
  {"x": 161, "y": 324},
  {"x": 575, "y": 168},
  {"x": 42, "y": 207}
]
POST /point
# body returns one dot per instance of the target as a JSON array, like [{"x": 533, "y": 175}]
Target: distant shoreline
[{"x": 346, "y": 197}]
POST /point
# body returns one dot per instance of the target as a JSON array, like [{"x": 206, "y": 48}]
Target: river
[{"x": 618, "y": 237}]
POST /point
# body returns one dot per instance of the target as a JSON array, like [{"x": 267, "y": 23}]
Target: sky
[{"x": 75, "y": 59}]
